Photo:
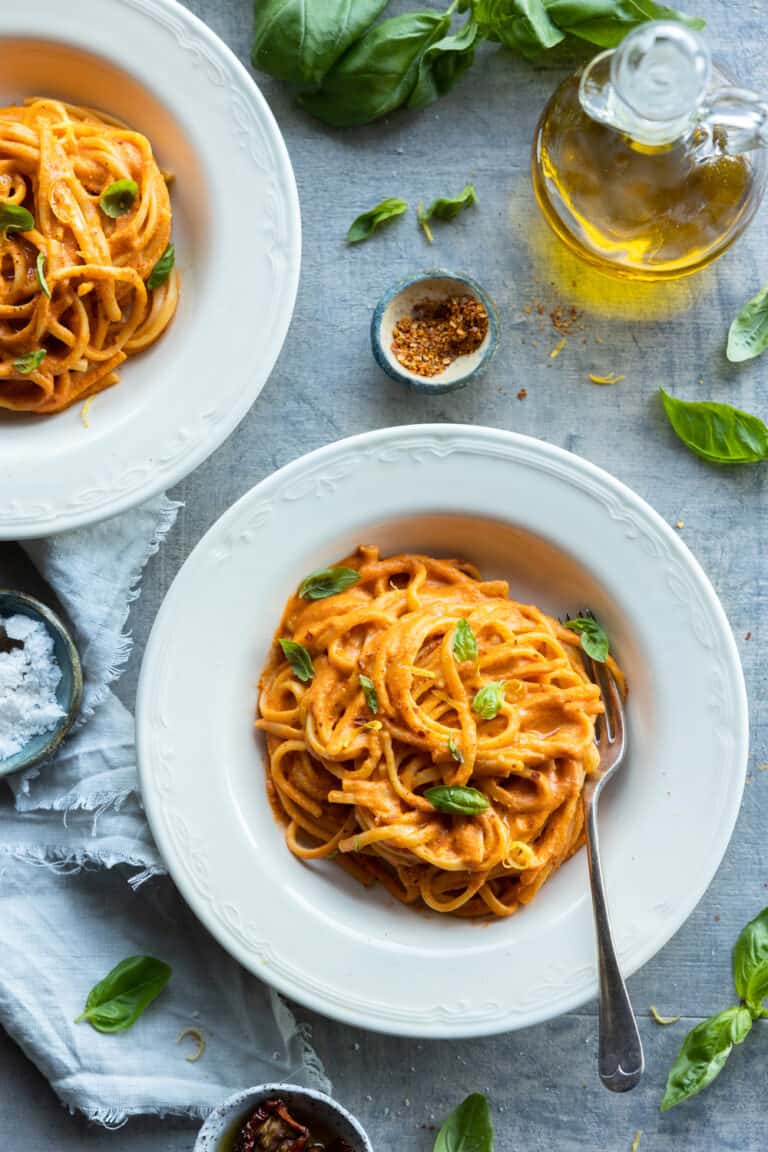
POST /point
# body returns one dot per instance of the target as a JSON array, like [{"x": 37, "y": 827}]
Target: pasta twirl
[
  {"x": 350, "y": 759},
  {"x": 74, "y": 298}
]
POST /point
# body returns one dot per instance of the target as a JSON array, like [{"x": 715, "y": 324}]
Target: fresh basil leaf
[
  {"x": 14, "y": 218},
  {"x": 299, "y": 659},
  {"x": 117, "y": 1001},
  {"x": 607, "y": 22},
  {"x": 327, "y": 582},
  {"x": 454, "y": 798},
  {"x": 443, "y": 63},
  {"x": 488, "y": 700},
  {"x": 748, "y": 334},
  {"x": 300, "y": 40},
  {"x": 368, "y": 222},
  {"x": 369, "y": 691},
  {"x": 455, "y": 751},
  {"x": 468, "y": 1129},
  {"x": 29, "y": 363},
  {"x": 40, "y": 268},
  {"x": 750, "y": 962},
  {"x": 718, "y": 433},
  {"x": 704, "y": 1053},
  {"x": 162, "y": 269},
  {"x": 118, "y": 198},
  {"x": 464, "y": 642},
  {"x": 379, "y": 72},
  {"x": 594, "y": 638},
  {"x": 448, "y": 207},
  {"x": 525, "y": 26}
]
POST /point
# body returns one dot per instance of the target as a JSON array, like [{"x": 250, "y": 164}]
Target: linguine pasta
[
  {"x": 74, "y": 294},
  {"x": 386, "y": 708}
]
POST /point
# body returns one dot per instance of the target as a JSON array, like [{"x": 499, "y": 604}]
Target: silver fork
[{"x": 620, "y": 1056}]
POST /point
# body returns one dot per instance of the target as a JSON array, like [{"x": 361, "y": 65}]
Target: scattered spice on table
[
  {"x": 611, "y": 378},
  {"x": 557, "y": 349},
  {"x": 680, "y": 524},
  {"x": 29, "y": 676},
  {"x": 522, "y": 394},
  {"x": 439, "y": 331},
  {"x": 748, "y": 636},
  {"x": 564, "y": 319}
]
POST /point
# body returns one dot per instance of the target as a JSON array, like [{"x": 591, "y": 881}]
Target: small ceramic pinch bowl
[
  {"x": 305, "y": 1104},
  {"x": 400, "y": 300},
  {"x": 70, "y": 688}
]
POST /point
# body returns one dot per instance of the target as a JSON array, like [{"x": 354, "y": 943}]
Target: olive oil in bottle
[{"x": 647, "y": 163}]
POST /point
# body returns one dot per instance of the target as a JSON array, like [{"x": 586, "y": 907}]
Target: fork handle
[{"x": 620, "y": 1060}]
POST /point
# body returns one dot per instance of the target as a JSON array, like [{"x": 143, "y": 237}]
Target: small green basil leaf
[
  {"x": 606, "y": 22},
  {"x": 117, "y": 1001},
  {"x": 447, "y": 207},
  {"x": 525, "y": 26},
  {"x": 458, "y": 800},
  {"x": 464, "y": 643},
  {"x": 704, "y": 1053},
  {"x": 379, "y": 72},
  {"x": 162, "y": 269},
  {"x": 299, "y": 659},
  {"x": 748, "y": 334},
  {"x": 750, "y": 962},
  {"x": 594, "y": 638},
  {"x": 300, "y": 40},
  {"x": 40, "y": 267},
  {"x": 717, "y": 433},
  {"x": 369, "y": 691},
  {"x": 455, "y": 751},
  {"x": 118, "y": 198},
  {"x": 29, "y": 363},
  {"x": 488, "y": 700},
  {"x": 14, "y": 218},
  {"x": 327, "y": 582},
  {"x": 468, "y": 1129},
  {"x": 367, "y": 223},
  {"x": 443, "y": 63}
]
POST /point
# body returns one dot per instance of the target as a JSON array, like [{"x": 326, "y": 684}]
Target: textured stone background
[{"x": 542, "y": 1082}]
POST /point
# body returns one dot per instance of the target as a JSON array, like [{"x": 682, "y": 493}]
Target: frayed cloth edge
[{"x": 63, "y": 861}]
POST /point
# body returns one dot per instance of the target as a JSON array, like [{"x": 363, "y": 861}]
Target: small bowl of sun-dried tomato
[
  {"x": 281, "y": 1118},
  {"x": 435, "y": 331}
]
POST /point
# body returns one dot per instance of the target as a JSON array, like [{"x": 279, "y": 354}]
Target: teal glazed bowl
[
  {"x": 70, "y": 688},
  {"x": 399, "y": 302}
]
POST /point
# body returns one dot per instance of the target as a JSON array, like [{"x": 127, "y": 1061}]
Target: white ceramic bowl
[
  {"x": 566, "y": 535},
  {"x": 306, "y": 1104},
  {"x": 237, "y": 234}
]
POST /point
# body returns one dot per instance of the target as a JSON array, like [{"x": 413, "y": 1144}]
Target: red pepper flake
[
  {"x": 438, "y": 332},
  {"x": 522, "y": 394},
  {"x": 748, "y": 636}
]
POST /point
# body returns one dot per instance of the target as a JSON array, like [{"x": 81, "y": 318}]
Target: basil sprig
[
  {"x": 488, "y": 701},
  {"x": 368, "y": 222},
  {"x": 118, "y": 198},
  {"x": 468, "y": 1129},
  {"x": 707, "y": 1047},
  {"x": 327, "y": 582},
  {"x": 359, "y": 70},
  {"x": 40, "y": 270},
  {"x": 30, "y": 362},
  {"x": 717, "y": 433},
  {"x": 445, "y": 208},
  {"x": 594, "y": 638},
  {"x": 369, "y": 691},
  {"x": 748, "y": 334},
  {"x": 299, "y": 659},
  {"x": 299, "y": 41},
  {"x": 455, "y": 751},
  {"x": 456, "y": 799},
  {"x": 162, "y": 269},
  {"x": 14, "y": 218},
  {"x": 464, "y": 642},
  {"x": 117, "y": 1001}
]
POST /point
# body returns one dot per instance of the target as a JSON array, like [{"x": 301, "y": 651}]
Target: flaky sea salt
[{"x": 29, "y": 677}]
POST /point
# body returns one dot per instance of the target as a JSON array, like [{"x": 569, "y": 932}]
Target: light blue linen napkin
[{"x": 82, "y": 887}]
